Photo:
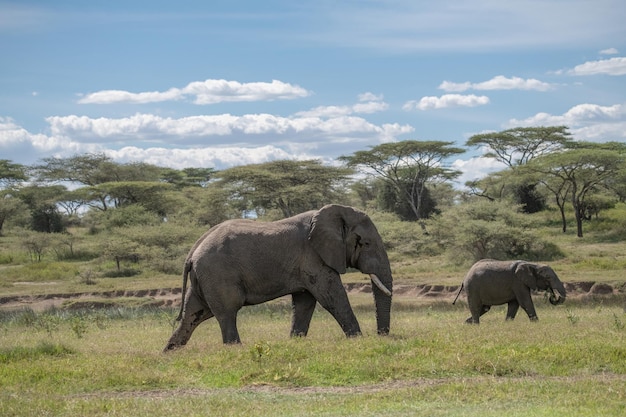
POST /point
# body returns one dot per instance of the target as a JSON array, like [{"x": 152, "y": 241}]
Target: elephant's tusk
[{"x": 380, "y": 285}]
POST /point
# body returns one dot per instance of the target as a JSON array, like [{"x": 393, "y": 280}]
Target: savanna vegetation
[{"x": 87, "y": 224}]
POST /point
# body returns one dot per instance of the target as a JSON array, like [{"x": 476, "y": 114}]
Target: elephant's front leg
[
  {"x": 303, "y": 305},
  {"x": 526, "y": 302},
  {"x": 333, "y": 297}
]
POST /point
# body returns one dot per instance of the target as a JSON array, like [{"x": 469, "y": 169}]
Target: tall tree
[
  {"x": 188, "y": 177},
  {"x": 517, "y": 146},
  {"x": 94, "y": 169},
  {"x": 581, "y": 171},
  {"x": 11, "y": 175},
  {"x": 407, "y": 166},
  {"x": 289, "y": 186},
  {"x": 514, "y": 148},
  {"x": 87, "y": 169},
  {"x": 42, "y": 204}
]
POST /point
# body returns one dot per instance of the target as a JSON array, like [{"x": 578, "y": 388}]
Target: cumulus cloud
[
  {"x": 445, "y": 101},
  {"x": 586, "y": 121},
  {"x": 475, "y": 168},
  {"x": 204, "y": 92},
  {"x": 149, "y": 127},
  {"x": 218, "y": 140},
  {"x": 218, "y": 157},
  {"x": 14, "y": 136},
  {"x": 612, "y": 66},
  {"x": 368, "y": 103},
  {"x": 498, "y": 82},
  {"x": 609, "y": 51}
]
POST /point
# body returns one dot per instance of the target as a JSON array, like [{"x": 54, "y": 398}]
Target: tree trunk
[
  {"x": 579, "y": 218},
  {"x": 563, "y": 219}
]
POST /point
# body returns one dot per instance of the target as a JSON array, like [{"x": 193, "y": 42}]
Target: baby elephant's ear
[
  {"x": 327, "y": 237},
  {"x": 526, "y": 273}
]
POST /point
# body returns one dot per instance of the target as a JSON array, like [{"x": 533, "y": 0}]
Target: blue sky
[{"x": 223, "y": 83}]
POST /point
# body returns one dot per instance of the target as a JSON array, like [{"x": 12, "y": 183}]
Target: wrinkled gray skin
[
  {"x": 245, "y": 262},
  {"x": 490, "y": 283}
]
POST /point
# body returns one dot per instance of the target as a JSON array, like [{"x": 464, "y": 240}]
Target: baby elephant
[{"x": 490, "y": 282}]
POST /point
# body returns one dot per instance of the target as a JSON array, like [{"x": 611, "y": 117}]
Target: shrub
[{"x": 489, "y": 229}]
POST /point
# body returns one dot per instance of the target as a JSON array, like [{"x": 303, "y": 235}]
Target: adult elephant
[
  {"x": 490, "y": 282},
  {"x": 245, "y": 262}
]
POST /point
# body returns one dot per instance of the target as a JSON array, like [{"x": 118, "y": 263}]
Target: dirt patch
[{"x": 171, "y": 297}]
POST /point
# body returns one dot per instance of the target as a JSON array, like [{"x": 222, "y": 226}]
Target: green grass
[{"x": 108, "y": 362}]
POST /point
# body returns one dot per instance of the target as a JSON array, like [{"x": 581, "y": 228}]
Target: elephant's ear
[
  {"x": 328, "y": 234},
  {"x": 526, "y": 273}
]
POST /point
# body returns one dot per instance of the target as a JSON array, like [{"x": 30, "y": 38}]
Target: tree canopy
[
  {"x": 407, "y": 166},
  {"x": 519, "y": 145},
  {"x": 579, "y": 172},
  {"x": 289, "y": 186}
]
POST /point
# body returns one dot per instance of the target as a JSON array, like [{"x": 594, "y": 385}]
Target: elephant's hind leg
[
  {"x": 194, "y": 314},
  {"x": 476, "y": 313},
  {"x": 511, "y": 311}
]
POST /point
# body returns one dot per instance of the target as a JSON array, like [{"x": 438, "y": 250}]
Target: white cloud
[
  {"x": 218, "y": 157},
  {"x": 586, "y": 121},
  {"x": 475, "y": 168},
  {"x": 218, "y": 140},
  {"x": 368, "y": 103},
  {"x": 498, "y": 82},
  {"x": 192, "y": 129},
  {"x": 204, "y": 92},
  {"x": 612, "y": 66},
  {"x": 119, "y": 96},
  {"x": 609, "y": 51},
  {"x": 445, "y": 101},
  {"x": 370, "y": 97},
  {"x": 12, "y": 134}
]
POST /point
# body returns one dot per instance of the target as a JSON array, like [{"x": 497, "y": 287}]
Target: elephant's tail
[
  {"x": 457, "y": 294},
  {"x": 186, "y": 270}
]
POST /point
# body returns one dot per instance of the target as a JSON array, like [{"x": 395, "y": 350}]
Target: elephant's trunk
[
  {"x": 382, "y": 299},
  {"x": 557, "y": 297}
]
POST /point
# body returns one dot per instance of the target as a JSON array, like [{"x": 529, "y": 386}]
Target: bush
[
  {"x": 133, "y": 215},
  {"x": 403, "y": 237},
  {"x": 489, "y": 229}
]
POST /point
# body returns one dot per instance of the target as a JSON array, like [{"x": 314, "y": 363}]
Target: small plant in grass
[
  {"x": 260, "y": 350},
  {"x": 572, "y": 317},
  {"x": 88, "y": 277},
  {"x": 289, "y": 374},
  {"x": 79, "y": 326},
  {"x": 617, "y": 323},
  {"x": 49, "y": 322}
]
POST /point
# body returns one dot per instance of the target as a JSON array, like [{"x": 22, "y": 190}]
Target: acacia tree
[
  {"x": 515, "y": 148},
  {"x": 407, "y": 166},
  {"x": 289, "y": 186},
  {"x": 11, "y": 176},
  {"x": 188, "y": 177},
  {"x": 581, "y": 171}
]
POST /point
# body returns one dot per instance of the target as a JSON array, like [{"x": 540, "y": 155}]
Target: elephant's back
[
  {"x": 487, "y": 271},
  {"x": 241, "y": 238}
]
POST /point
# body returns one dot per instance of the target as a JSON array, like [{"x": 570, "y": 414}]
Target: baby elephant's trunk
[{"x": 557, "y": 297}]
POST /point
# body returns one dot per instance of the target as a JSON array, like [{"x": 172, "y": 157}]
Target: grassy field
[{"x": 109, "y": 362}]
